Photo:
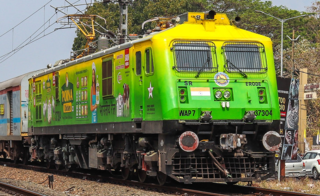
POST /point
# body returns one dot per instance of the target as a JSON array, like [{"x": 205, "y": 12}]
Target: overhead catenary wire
[
  {"x": 28, "y": 38},
  {"x": 31, "y": 40},
  {"x": 26, "y": 18}
]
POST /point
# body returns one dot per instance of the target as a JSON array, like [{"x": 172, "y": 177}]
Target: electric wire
[
  {"x": 36, "y": 38},
  {"x": 28, "y": 38},
  {"x": 308, "y": 73},
  {"x": 25, "y": 19},
  {"x": 8, "y": 55}
]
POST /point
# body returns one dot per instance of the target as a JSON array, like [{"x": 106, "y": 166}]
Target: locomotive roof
[
  {"x": 16, "y": 81},
  {"x": 224, "y": 31},
  {"x": 94, "y": 55}
]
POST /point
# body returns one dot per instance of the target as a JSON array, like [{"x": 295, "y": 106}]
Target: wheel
[
  {"x": 315, "y": 174},
  {"x": 161, "y": 178},
  {"x": 125, "y": 173},
  {"x": 232, "y": 183},
  {"x": 142, "y": 175}
]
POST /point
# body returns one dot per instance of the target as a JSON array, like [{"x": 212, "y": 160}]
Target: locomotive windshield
[
  {"x": 244, "y": 57},
  {"x": 195, "y": 56}
]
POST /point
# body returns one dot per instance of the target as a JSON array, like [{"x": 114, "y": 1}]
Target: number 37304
[{"x": 263, "y": 113}]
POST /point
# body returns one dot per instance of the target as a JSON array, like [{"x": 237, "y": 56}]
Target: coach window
[
  {"x": 1, "y": 109},
  {"x": 138, "y": 63},
  {"x": 149, "y": 61},
  {"x": 107, "y": 75}
]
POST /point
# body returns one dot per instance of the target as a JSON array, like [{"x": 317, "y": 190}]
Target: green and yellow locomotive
[{"x": 193, "y": 102}]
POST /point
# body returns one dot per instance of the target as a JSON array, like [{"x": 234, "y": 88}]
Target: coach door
[
  {"x": 10, "y": 99},
  {"x": 138, "y": 85}
]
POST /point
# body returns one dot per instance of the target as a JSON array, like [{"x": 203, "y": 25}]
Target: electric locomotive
[{"x": 195, "y": 101}]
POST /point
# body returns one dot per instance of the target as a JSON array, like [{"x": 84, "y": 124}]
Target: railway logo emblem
[
  {"x": 221, "y": 79},
  {"x": 150, "y": 89}
]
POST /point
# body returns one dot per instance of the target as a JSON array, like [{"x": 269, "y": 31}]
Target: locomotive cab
[{"x": 223, "y": 85}]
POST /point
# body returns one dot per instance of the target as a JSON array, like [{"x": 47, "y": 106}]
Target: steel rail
[
  {"x": 14, "y": 190},
  {"x": 211, "y": 189}
]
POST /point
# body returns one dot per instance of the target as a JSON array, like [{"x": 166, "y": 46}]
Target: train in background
[{"x": 195, "y": 101}]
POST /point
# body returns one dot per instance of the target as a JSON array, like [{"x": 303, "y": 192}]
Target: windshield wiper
[
  {"x": 241, "y": 72},
  {"x": 200, "y": 70}
]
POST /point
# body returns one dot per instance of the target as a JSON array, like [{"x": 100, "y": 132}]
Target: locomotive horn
[{"x": 211, "y": 14}]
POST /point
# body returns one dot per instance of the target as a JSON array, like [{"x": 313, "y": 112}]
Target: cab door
[{"x": 138, "y": 85}]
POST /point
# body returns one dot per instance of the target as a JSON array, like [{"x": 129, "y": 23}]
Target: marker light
[
  {"x": 262, "y": 96},
  {"x": 183, "y": 95},
  {"x": 261, "y": 92},
  {"x": 218, "y": 94}
]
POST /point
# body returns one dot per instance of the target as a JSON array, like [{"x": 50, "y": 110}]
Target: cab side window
[
  {"x": 138, "y": 63},
  {"x": 149, "y": 61}
]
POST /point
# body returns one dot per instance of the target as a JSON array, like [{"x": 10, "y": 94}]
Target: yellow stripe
[{"x": 200, "y": 89}]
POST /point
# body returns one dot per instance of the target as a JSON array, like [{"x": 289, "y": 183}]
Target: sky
[
  {"x": 19, "y": 21},
  {"x": 300, "y": 5}
]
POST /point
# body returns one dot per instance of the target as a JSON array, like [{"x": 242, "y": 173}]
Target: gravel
[{"x": 37, "y": 181}]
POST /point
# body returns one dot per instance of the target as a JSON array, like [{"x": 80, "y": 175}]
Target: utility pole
[
  {"x": 282, "y": 165},
  {"x": 282, "y": 21},
  {"x": 302, "y": 126},
  {"x": 292, "y": 56}
]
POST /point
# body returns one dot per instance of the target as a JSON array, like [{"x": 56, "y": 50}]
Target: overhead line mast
[{"x": 123, "y": 25}]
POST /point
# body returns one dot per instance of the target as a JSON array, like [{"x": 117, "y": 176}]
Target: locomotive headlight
[
  {"x": 218, "y": 94},
  {"x": 182, "y": 99},
  {"x": 226, "y": 94}
]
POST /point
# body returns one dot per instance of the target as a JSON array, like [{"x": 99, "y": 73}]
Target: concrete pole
[{"x": 302, "y": 110}]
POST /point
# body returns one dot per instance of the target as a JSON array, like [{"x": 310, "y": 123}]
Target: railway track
[
  {"x": 14, "y": 190},
  {"x": 210, "y": 189}
]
